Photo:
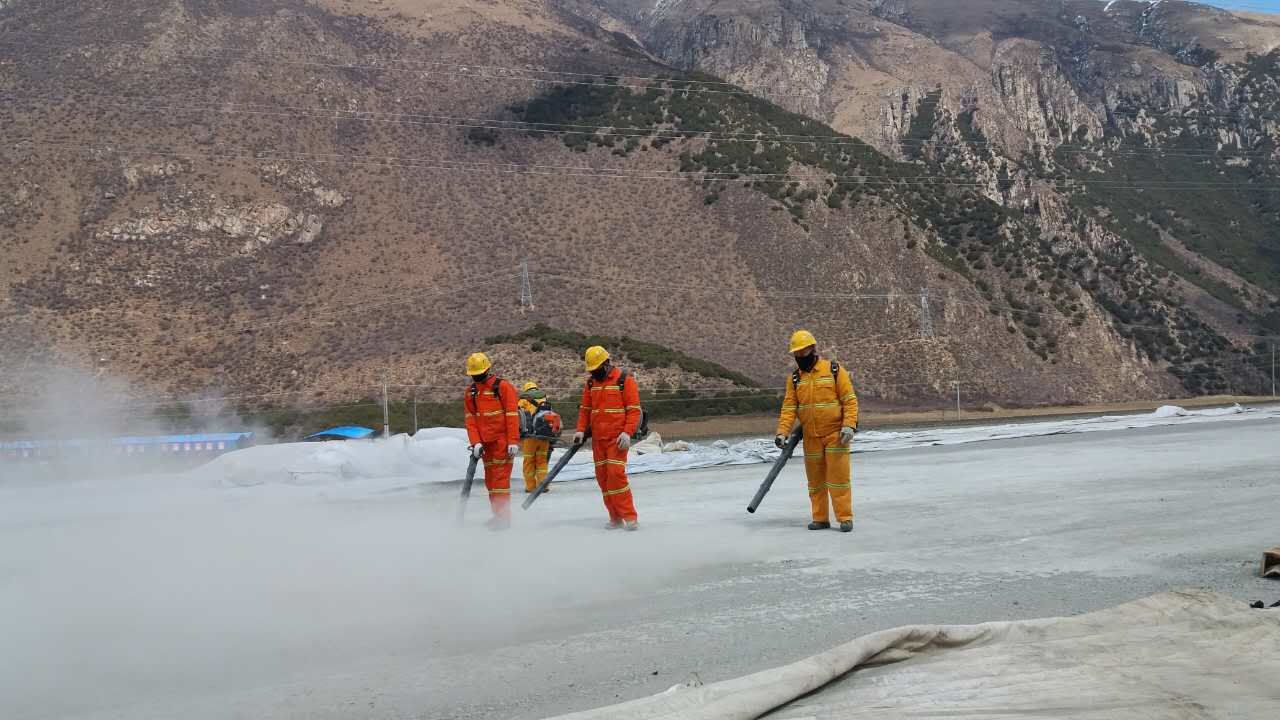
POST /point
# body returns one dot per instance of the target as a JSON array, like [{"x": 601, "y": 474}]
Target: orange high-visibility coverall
[
  {"x": 823, "y": 404},
  {"x": 534, "y": 451},
  {"x": 494, "y": 422},
  {"x": 607, "y": 411}
]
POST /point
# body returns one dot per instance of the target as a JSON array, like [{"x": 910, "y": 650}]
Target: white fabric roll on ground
[{"x": 1180, "y": 654}]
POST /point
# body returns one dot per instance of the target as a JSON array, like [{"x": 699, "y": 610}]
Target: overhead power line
[
  {"x": 411, "y": 61},
  {"x": 332, "y": 310},
  {"x": 175, "y": 406},
  {"x": 153, "y": 105},
  {"x": 392, "y": 161},
  {"x": 908, "y": 298},
  {"x": 516, "y": 74},
  {"x": 442, "y": 69}
]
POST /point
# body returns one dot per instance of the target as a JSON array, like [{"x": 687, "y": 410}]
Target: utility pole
[
  {"x": 926, "y": 317},
  {"x": 957, "y": 399},
  {"x": 386, "y": 411},
  {"x": 1273, "y": 371},
  {"x": 415, "y": 411},
  {"x": 526, "y": 288}
]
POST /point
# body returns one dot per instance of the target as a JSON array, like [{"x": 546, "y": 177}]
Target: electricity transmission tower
[
  {"x": 926, "y": 317},
  {"x": 526, "y": 288}
]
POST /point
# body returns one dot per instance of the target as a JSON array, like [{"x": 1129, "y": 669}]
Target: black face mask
[
  {"x": 806, "y": 362},
  {"x": 480, "y": 378},
  {"x": 600, "y": 373}
]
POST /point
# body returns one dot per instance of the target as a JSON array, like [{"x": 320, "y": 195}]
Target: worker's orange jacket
[
  {"x": 609, "y": 409},
  {"x": 490, "y": 418},
  {"x": 822, "y": 403}
]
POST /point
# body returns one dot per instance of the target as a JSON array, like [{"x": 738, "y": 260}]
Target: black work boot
[
  {"x": 846, "y": 526},
  {"x": 816, "y": 525}
]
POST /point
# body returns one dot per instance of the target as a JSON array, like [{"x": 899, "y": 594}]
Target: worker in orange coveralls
[
  {"x": 610, "y": 412},
  {"x": 820, "y": 396},
  {"x": 493, "y": 431}
]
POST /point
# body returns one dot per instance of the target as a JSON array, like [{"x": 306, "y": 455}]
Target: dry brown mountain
[{"x": 265, "y": 195}]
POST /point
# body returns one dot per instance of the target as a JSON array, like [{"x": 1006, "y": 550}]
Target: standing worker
[
  {"x": 820, "y": 394},
  {"x": 536, "y": 450},
  {"x": 493, "y": 430},
  {"x": 610, "y": 411}
]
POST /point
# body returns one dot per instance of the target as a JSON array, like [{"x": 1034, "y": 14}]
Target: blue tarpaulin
[{"x": 343, "y": 432}]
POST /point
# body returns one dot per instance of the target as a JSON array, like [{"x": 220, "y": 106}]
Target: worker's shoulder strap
[
  {"x": 497, "y": 390},
  {"x": 795, "y": 374},
  {"x": 622, "y": 379}
]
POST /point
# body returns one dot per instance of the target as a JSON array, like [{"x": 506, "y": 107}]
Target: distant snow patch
[{"x": 1150, "y": 3}]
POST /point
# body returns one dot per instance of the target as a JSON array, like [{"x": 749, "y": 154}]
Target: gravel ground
[{"x": 157, "y": 599}]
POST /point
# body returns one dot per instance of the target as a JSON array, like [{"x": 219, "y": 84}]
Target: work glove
[
  {"x": 624, "y": 441},
  {"x": 846, "y": 435},
  {"x": 512, "y": 450},
  {"x": 477, "y": 450},
  {"x": 579, "y": 438},
  {"x": 780, "y": 441}
]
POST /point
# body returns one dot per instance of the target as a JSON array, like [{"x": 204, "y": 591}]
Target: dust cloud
[
  {"x": 118, "y": 591},
  {"x": 82, "y": 411}
]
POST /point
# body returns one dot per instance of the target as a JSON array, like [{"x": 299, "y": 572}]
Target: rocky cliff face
[
  {"x": 1032, "y": 64},
  {"x": 1044, "y": 106}
]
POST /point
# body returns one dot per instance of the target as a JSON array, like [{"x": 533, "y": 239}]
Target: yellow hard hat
[
  {"x": 478, "y": 363},
  {"x": 531, "y": 385},
  {"x": 802, "y": 339},
  {"x": 595, "y": 357}
]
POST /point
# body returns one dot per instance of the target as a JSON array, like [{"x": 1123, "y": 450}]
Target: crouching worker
[
  {"x": 820, "y": 396},
  {"x": 610, "y": 411},
  {"x": 493, "y": 431},
  {"x": 539, "y": 428}
]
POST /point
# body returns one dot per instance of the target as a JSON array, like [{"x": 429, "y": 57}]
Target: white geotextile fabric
[
  {"x": 1173, "y": 655},
  {"x": 440, "y": 454}
]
